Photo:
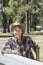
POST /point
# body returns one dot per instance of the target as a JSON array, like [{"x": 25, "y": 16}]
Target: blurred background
[{"x": 28, "y": 12}]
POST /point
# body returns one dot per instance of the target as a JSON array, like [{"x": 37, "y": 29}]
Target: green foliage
[
  {"x": 16, "y": 9},
  {"x": 1, "y": 0},
  {"x": 36, "y": 12}
]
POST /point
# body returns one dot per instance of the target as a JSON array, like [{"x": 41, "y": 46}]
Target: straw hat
[{"x": 17, "y": 24}]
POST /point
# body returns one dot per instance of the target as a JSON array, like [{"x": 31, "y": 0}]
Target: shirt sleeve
[
  {"x": 6, "y": 48},
  {"x": 32, "y": 44}
]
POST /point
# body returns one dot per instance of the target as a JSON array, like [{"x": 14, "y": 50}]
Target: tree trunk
[
  {"x": 10, "y": 21},
  {"x": 30, "y": 20},
  {"x": 4, "y": 22},
  {"x": 34, "y": 27},
  {"x": 4, "y": 18},
  {"x": 4, "y": 2},
  {"x": 27, "y": 23}
]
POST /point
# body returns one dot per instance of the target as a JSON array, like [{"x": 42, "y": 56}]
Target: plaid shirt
[{"x": 24, "y": 47}]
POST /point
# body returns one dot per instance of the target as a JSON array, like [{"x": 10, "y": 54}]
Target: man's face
[{"x": 17, "y": 32}]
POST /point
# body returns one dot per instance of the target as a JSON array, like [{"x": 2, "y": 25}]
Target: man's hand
[{"x": 15, "y": 52}]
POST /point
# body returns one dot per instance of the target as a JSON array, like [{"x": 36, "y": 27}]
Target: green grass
[
  {"x": 5, "y": 34},
  {"x": 37, "y": 38}
]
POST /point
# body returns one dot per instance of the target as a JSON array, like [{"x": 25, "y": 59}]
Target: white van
[{"x": 11, "y": 59}]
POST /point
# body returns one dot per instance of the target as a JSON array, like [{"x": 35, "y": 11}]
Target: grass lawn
[{"x": 37, "y": 38}]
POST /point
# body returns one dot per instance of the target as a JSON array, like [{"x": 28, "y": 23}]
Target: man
[{"x": 19, "y": 44}]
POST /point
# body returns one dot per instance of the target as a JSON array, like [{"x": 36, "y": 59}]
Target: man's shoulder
[
  {"x": 27, "y": 38},
  {"x": 12, "y": 39}
]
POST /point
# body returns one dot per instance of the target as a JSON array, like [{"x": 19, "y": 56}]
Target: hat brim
[{"x": 12, "y": 26}]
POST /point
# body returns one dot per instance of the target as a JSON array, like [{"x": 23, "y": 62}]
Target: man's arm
[
  {"x": 35, "y": 47},
  {"x": 6, "y": 48}
]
